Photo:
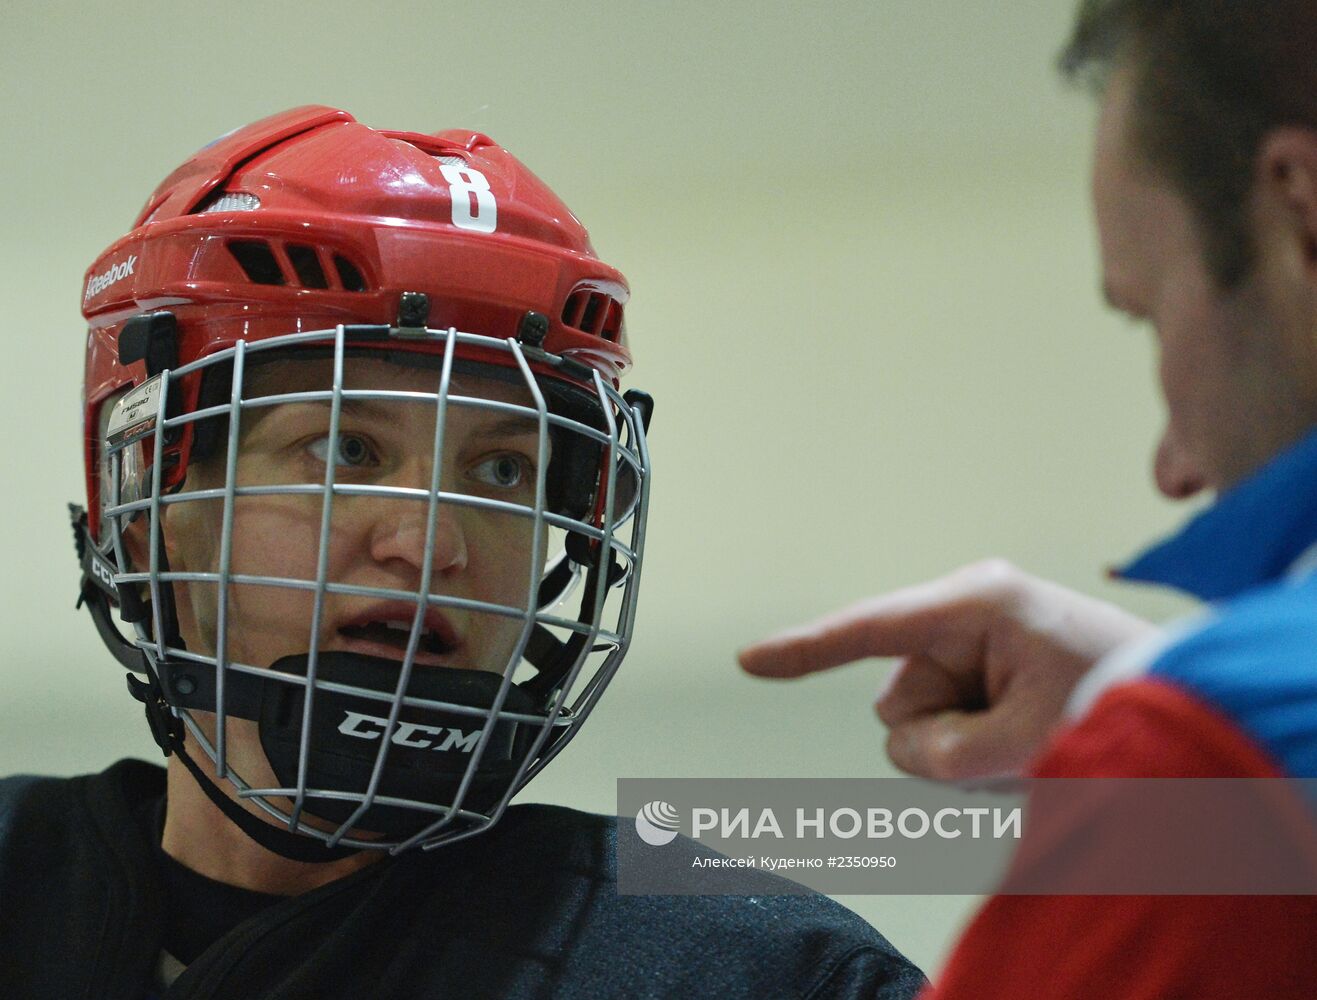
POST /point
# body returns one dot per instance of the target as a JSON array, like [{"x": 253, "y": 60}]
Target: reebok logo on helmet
[{"x": 104, "y": 280}]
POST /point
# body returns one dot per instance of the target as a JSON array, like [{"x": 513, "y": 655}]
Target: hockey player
[{"x": 365, "y": 524}]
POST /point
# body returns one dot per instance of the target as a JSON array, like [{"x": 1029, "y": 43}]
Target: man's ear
[{"x": 1287, "y": 163}]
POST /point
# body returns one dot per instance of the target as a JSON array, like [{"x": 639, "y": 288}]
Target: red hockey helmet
[{"x": 309, "y": 219}]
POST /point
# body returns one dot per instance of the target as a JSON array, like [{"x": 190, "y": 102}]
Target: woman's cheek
[
  {"x": 270, "y": 540},
  {"x": 274, "y": 538}
]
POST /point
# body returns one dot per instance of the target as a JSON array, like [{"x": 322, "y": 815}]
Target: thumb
[{"x": 956, "y": 745}]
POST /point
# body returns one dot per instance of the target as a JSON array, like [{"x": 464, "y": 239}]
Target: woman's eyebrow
[
  {"x": 510, "y": 425},
  {"x": 358, "y": 408},
  {"x": 386, "y": 410},
  {"x": 381, "y": 409},
  {"x": 377, "y": 409}
]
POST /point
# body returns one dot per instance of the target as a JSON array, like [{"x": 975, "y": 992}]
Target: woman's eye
[
  {"x": 504, "y": 471},
  {"x": 353, "y": 450}
]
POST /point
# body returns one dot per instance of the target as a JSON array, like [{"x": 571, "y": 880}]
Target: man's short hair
[{"x": 1211, "y": 79}]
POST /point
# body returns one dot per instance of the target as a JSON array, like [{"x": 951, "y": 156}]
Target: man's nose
[
  {"x": 400, "y": 534},
  {"x": 1175, "y": 473}
]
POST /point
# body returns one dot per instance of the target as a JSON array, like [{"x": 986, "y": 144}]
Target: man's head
[
  {"x": 353, "y": 435},
  {"x": 1205, "y": 187}
]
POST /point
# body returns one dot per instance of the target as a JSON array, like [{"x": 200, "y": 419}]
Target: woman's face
[
  {"x": 372, "y": 541},
  {"x": 477, "y": 554}
]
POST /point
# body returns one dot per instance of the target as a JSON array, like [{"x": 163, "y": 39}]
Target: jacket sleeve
[
  {"x": 1155, "y": 947},
  {"x": 871, "y": 973}
]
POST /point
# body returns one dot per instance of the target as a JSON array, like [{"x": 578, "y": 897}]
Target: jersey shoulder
[
  {"x": 1254, "y": 660},
  {"x": 774, "y": 939}
]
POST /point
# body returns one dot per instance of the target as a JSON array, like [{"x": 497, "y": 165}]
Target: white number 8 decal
[{"x": 463, "y": 183}]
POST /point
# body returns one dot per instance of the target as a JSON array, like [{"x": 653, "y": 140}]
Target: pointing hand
[{"x": 989, "y": 656}]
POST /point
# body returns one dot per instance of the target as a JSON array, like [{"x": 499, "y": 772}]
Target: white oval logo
[{"x": 656, "y": 823}]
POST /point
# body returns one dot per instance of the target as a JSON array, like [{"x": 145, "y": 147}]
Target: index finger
[{"x": 902, "y": 623}]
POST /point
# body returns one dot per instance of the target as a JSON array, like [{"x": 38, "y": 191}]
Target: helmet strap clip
[
  {"x": 150, "y": 337},
  {"x": 166, "y": 728},
  {"x": 413, "y": 315}
]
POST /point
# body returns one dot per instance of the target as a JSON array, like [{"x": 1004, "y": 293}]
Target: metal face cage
[{"x": 392, "y": 688}]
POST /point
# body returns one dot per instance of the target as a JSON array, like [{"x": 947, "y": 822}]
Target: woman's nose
[{"x": 400, "y": 534}]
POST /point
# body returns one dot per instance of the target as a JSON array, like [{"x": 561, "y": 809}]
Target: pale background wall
[{"x": 865, "y": 299}]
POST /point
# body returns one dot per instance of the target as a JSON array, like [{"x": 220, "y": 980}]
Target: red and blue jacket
[{"x": 1231, "y": 693}]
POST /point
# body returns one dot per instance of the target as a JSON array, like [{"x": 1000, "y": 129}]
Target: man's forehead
[
  {"x": 1118, "y": 169},
  {"x": 1139, "y": 214}
]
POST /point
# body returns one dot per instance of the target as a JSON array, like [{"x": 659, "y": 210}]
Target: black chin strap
[
  {"x": 170, "y": 735},
  {"x": 285, "y": 843},
  {"x": 552, "y": 657}
]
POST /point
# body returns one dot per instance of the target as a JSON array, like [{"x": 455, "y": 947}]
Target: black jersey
[{"x": 528, "y": 909}]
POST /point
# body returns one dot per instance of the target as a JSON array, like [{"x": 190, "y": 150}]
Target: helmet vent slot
[
  {"x": 593, "y": 312},
  {"x": 267, "y": 264},
  {"x": 306, "y": 262},
  {"x": 230, "y": 201},
  {"x": 612, "y": 321},
  {"x": 348, "y": 274},
  {"x": 258, "y": 261},
  {"x": 590, "y": 315}
]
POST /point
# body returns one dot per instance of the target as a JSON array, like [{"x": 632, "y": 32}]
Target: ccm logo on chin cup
[{"x": 409, "y": 734}]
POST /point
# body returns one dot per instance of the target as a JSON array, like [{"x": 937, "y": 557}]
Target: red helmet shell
[{"x": 349, "y": 218}]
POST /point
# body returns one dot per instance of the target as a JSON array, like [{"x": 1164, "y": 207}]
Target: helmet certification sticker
[{"x": 134, "y": 415}]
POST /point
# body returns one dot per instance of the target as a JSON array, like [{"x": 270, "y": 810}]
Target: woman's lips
[
  {"x": 389, "y": 624},
  {"x": 388, "y": 651}
]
